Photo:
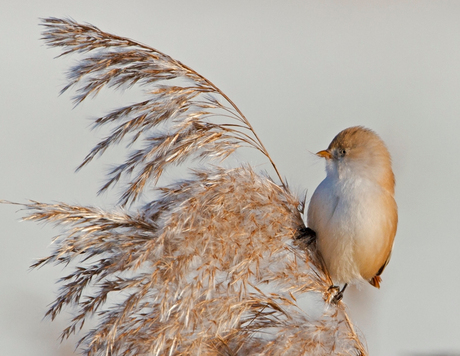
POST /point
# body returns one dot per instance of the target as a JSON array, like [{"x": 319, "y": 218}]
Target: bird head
[{"x": 359, "y": 152}]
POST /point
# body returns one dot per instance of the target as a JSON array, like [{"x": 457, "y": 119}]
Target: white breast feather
[{"x": 346, "y": 223}]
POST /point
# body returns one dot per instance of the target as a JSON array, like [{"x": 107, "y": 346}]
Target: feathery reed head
[
  {"x": 186, "y": 110},
  {"x": 212, "y": 265}
]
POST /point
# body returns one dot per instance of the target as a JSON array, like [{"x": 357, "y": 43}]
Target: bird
[{"x": 353, "y": 211}]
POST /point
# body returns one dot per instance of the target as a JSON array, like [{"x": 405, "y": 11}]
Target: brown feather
[{"x": 375, "y": 281}]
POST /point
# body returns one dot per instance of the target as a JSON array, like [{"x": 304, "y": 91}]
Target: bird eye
[{"x": 342, "y": 152}]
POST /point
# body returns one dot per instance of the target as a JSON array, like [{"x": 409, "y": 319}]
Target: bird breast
[{"x": 353, "y": 227}]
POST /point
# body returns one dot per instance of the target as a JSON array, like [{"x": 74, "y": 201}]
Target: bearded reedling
[{"x": 353, "y": 211}]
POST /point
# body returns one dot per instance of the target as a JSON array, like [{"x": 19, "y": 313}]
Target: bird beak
[{"x": 325, "y": 154}]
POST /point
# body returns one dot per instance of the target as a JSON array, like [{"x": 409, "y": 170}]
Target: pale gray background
[{"x": 301, "y": 71}]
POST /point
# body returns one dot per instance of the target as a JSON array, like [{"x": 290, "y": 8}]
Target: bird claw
[
  {"x": 337, "y": 297},
  {"x": 336, "y": 293},
  {"x": 306, "y": 235}
]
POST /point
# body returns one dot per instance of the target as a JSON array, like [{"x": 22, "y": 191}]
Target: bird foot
[
  {"x": 306, "y": 235},
  {"x": 336, "y": 293}
]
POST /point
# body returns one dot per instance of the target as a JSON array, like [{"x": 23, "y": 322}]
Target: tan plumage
[{"x": 353, "y": 210}]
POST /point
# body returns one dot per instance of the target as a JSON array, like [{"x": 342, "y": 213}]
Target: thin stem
[
  {"x": 245, "y": 120},
  {"x": 359, "y": 345}
]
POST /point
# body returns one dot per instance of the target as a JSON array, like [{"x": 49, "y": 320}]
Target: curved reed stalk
[
  {"x": 210, "y": 267},
  {"x": 115, "y": 61}
]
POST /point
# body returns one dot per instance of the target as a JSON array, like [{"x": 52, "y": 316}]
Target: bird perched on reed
[
  {"x": 210, "y": 264},
  {"x": 353, "y": 211}
]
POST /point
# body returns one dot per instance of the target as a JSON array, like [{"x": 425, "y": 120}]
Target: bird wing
[
  {"x": 375, "y": 281},
  {"x": 392, "y": 227}
]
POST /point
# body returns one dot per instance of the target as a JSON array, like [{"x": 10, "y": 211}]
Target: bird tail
[{"x": 375, "y": 281}]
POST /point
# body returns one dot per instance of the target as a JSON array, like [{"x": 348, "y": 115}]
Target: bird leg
[
  {"x": 339, "y": 293},
  {"x": 308, "y": 236}
]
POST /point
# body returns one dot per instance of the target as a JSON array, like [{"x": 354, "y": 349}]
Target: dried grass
[{"x": 210, "y": 267}]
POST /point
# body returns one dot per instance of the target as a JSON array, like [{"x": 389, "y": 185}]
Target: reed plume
[{"x": 215, "y": 264}]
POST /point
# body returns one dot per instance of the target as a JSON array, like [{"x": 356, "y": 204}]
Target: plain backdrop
[{"x": 301, "y": 71}]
